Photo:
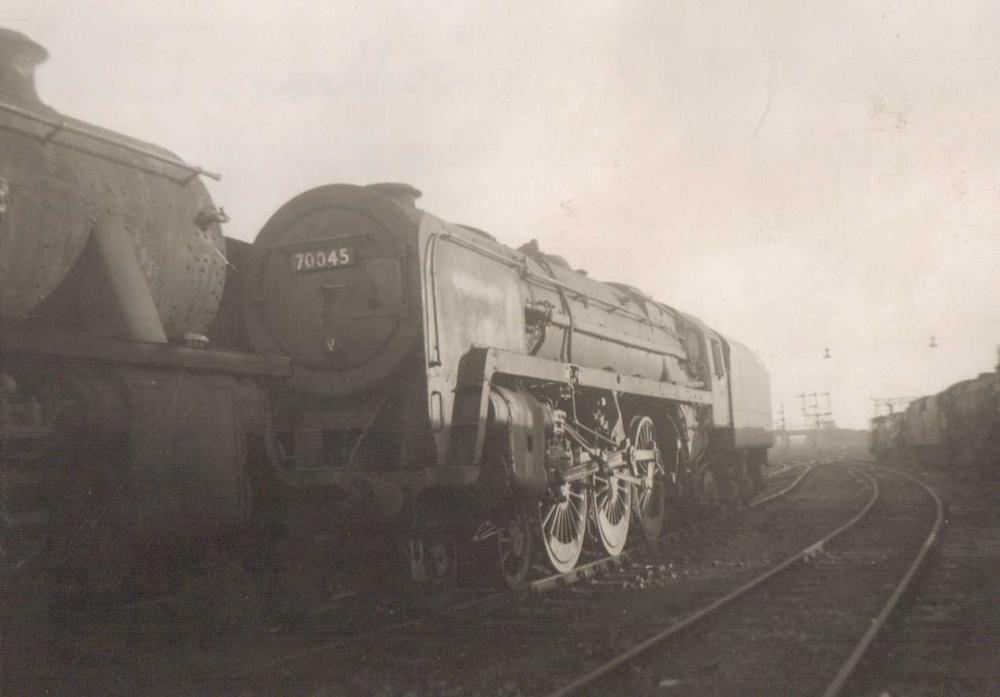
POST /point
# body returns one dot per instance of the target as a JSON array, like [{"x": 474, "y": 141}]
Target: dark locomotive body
[
  {"x": 438, "y": 375},
  {"x": 885, "y": 435},
  {"x": 924, "y": 429},
  {"x": 972, "y": 421},
  {"x": 959, "y": 426},
  {"x": 118, "y": 433},
  {"x": 363, "y": 364}
]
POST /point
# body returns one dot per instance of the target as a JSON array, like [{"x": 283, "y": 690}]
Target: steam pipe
[{"x": 129, "y": 286}]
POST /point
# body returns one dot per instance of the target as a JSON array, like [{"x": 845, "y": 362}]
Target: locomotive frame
[{"x": 511, "y": 372}]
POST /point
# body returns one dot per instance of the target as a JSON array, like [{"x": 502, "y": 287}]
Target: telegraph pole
[
  {"x": 782, "y": 427},
  {"x": 889, "y": 404},
  {"x": 814, "y": 413}
]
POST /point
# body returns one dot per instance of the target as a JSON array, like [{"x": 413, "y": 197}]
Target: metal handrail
[
  {"x": 59, "y": 125},
  {"x": 555, "y": 284}
]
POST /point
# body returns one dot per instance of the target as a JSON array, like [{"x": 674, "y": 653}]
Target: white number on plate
[{"x": 306, "y": 261}]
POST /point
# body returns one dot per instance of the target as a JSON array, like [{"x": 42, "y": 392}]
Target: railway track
[
  {"x": 795, "y": 610},
  {"x": 843, "y": 526},
  {"x": 792, "y": 471},
  {"x": 781, "y": 481},
  {"x": 366, "y": 640}
]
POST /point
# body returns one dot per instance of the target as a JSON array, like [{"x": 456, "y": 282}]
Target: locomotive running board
[
  {"x": 479, "y": 365},
  {"x": 64, "y": 345}
]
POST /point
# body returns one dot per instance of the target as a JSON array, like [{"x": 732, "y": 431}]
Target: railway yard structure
[{"x": 375, "y": 452}]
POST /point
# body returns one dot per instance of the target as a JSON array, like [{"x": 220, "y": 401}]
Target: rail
[
  {"x": 708, "y": 610},
  {"x": 847, "y": 669},
  {"x": 537, "y": 587},
  {"x": 591, "y": 568},
  {"x": 860, "y": 648}
]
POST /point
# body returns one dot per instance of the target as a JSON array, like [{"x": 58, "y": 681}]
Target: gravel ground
[
  {"x": 214, "y": 627},
  {"x": 531, "y": 648},
  {"x": 790, "y": 636},
  {"x": 200, "y": 646},
  {"x": 945, "y": 639}
]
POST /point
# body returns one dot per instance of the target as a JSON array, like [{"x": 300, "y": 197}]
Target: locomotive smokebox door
[{"x": 330, "y": 287}]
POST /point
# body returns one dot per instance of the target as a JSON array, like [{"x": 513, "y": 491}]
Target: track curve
[{"x": 600, "y": 675}]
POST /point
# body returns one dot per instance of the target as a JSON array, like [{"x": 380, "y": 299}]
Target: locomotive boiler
[
  {"x": 445, "y": 380},
  {"x": 118, "y": 431}
]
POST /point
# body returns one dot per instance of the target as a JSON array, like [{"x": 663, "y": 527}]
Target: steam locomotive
[
  {"x": 361, "y": 366},
  {"x": 959, "y": 426}
]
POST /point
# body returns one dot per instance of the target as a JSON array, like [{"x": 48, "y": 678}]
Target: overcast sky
[{"x": 800, "y": 175}]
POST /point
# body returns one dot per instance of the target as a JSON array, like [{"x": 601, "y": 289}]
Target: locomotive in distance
[
  {"x": 362, "y": 365},
  {"x": 959, "y": 426}
]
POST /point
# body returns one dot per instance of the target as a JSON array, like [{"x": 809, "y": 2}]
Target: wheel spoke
[
  {"x": 648, "y": 497},
  {"x": 513, "y": 550},
  {"x": 612, "y": 511},
  {"x": 562, "y": 527},
  {"x": 548, "y": 517}
]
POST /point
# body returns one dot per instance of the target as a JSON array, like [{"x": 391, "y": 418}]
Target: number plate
[{"x": 324, "y": 258}]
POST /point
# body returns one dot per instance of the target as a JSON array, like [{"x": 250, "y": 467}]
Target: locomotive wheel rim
[
  {"x": 648, "y": 502},
  {"x": 514, "y": 550},
  {"x": 612, "y": 501},
  {"x": 562, "y": 525}
]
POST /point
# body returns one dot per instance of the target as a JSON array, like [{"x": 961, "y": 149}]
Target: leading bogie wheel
[
  {"x": 562, "y": 523},
  {"x": 649, "y": 497},
  {"x": 430, "y": 558},
  {"x": 513, "y": 548}
]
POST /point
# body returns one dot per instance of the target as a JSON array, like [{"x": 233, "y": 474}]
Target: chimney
[
  {"x": 403, "y": 194},
  {"x": 18, "y": 57}
]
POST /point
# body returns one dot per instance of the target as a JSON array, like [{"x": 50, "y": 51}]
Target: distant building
[{"x": 827, "y": 437}]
